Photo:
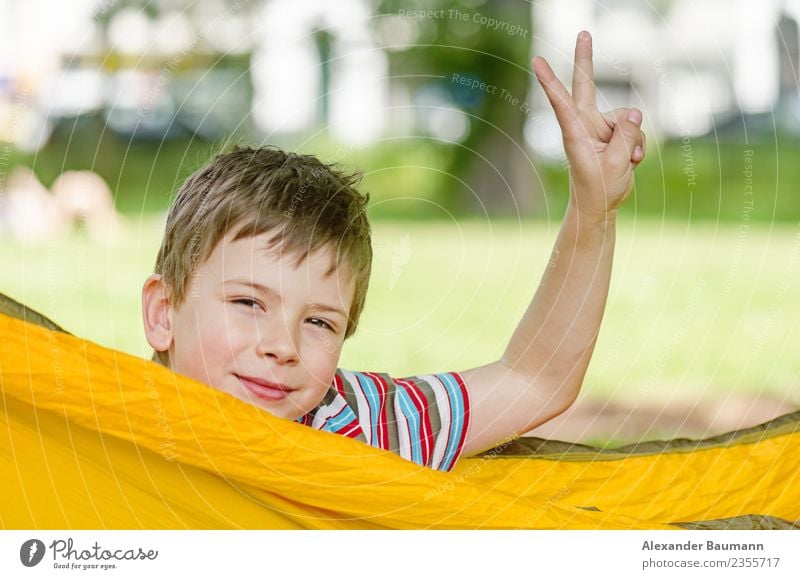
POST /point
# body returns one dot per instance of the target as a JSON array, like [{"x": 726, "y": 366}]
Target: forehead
[{"x": 254, "y": 259}]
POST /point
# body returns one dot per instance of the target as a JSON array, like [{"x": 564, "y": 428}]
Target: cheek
[
  {"x": 322, "y": 358},
  {"x": 205, "y": 348}
]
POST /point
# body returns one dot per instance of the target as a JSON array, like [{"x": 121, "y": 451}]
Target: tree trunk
[{"x": 495, "y": 160}]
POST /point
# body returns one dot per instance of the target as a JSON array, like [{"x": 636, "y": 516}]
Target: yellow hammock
[{"x": 94, "y": 438}]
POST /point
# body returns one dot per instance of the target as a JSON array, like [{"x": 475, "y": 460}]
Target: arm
[{"x": 540, "y": 373}]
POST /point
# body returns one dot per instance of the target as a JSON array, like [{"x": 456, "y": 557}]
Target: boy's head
[{"x": 261, "y": 276}]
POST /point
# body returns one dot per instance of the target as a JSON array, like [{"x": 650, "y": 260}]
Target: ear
[{"x": 157, "y": 314}]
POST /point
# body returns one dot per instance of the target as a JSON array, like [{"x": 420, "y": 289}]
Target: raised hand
[{"x": 602, "y": 148}]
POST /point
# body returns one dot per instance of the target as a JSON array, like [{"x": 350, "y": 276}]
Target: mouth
[{"x": 264, "y": 389}]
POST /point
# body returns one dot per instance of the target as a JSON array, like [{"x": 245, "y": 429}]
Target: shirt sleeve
[{"x": 424, "y": 419}]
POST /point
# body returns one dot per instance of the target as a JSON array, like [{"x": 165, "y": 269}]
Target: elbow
[
  {"x": 548, "y": 403},
  {"x": 547, "y": 394},
  {"x": 566, "y": 385},
  {"x": 567, "y": 393},
  {"x": 566, "y": 402}
]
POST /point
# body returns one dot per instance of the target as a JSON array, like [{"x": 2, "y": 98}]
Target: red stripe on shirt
[
  {"x": 337, "y": 382},
  {"x": 351, "y": 430},
  {"x": 465, "y": 397}
]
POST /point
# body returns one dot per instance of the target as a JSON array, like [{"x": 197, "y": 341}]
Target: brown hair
[{"x": 308, "y": 204}]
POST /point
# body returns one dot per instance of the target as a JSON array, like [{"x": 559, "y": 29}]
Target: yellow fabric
[{"x": 93, "y": 438}]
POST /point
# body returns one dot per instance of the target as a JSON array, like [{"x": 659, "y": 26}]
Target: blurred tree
[
  {"x": 479, "y": 55},
  {"x": 323, "y": 40}
]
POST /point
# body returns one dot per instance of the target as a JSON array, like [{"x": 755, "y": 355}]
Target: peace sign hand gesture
[{"x": 602, "y": 148}]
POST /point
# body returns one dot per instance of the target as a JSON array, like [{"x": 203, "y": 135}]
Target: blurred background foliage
[
  {"x": 145, "y": 175},
  {"x": 154, "y": 110}
]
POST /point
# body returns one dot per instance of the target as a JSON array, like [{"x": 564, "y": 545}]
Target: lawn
[
  {"x": 695, "y": 309},
  {"x": 401, "y": 172}
]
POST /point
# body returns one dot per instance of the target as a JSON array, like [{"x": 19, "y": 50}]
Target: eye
[
  {"x": 321, "y": 324},
  {"x": 248, "y": 303}
]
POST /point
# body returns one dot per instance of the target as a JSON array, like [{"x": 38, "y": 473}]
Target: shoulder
[{"x": 424, "y": 417}]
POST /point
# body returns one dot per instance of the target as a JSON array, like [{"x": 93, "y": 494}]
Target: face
[{"x": 257, "y": 327}]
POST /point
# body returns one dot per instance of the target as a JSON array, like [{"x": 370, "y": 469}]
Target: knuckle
[
  {"x": 629, "y": 129},
  {"x": 618, "y": 163}
]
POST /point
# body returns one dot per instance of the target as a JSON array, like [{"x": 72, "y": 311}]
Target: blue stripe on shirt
[
  {"x": 336, "y": 423},
  {"x": 370, "y": 390},
  {"x": 410, "y": 412},
  {"x": 456, "y": 419}
]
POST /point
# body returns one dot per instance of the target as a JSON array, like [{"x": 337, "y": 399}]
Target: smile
[{"x": 263, "y": 389}]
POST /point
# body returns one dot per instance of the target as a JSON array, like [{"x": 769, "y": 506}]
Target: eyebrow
[{"x": 270, "y": 291}]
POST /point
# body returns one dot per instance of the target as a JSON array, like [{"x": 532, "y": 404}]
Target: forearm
[
  {"x": 542, "y": 369},
  {"x": 554, "y": 341}
]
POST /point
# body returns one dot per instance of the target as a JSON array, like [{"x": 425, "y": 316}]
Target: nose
[{"x": 277, "y": 341}]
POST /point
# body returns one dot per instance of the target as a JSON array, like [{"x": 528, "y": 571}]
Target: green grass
[
  {"x": 708, "y": 181},
  {"x": 694, "y": 309},
  {"x": 408, "y": 177}
]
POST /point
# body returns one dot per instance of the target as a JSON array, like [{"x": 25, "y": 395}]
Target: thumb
[{"x": 627, "y": 135}]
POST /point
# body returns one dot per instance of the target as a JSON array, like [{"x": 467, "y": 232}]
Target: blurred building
[
  {"x": 210, "y": 68},
  {"x": 318, "y": 65},
  {"x": 696, "y": 67},
  {"x": 294, "y": 67},
  {"x": 33, "y": 36}
]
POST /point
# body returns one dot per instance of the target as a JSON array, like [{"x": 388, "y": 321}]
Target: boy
[{"x": 264, "y": 269}]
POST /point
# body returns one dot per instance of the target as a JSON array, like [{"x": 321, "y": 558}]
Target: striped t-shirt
[{"x": 424, "y": 419}]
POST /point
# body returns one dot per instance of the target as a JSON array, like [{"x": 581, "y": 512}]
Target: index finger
[
  {"x": 557, "y": 94},
  {"x": 583, "y": 74}
]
